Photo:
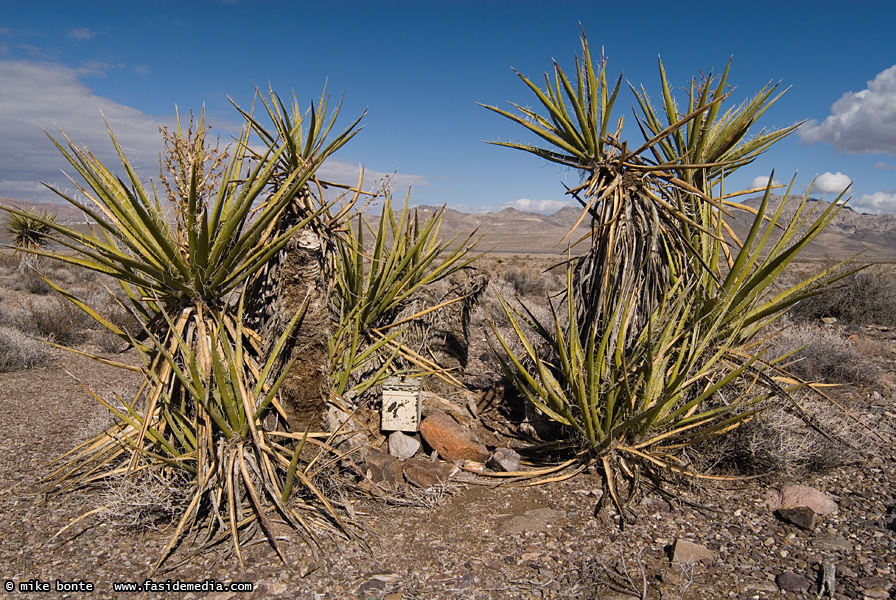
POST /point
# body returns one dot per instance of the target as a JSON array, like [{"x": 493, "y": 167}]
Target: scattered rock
[
  {"x": 372, "y": 587},
  {"x": 505, "y": 459},
  {"x": 306, "y": 566},
  {"x": 451, "y": 440},
  {"x": 685, "y": 552},
  {"x": 793, "y": 582},
  {"x": 844, "y": 571},
  {"x": 384, "y": 468},
  {"x": 434, "y": 403},
  {"x": 875, "y": 582},
  {"x": 403, "y": 446},
  {"x": 876, "y": 592},
  {"x": 657, "y": 505},
  {"x": 277, "y": 588},
  {"x": 425, "y": 473},
  {"x": 792, "y": 496},
  {"x": 540, "y": 519},
  {"x": 801, "y": 516},
  {"x": 761, "y": 586},
  {"x": 670, "y": 578},
  {"x": 833, "y": 543}
]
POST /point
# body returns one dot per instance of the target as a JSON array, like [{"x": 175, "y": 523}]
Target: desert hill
[{"x": 515, "y": 231}]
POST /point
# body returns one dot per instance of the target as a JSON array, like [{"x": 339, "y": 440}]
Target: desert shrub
[
  {"x": 863, "y": 298},
  {"x": 31, "y": 281},
  {"x": 58, "y": 320},
  {"x": 18, "y": 351},
  {"x": 527, "y": 281},
  {"x": 815, "y": 353},
  {"x": 9, "y": 262},
  {"x": 778, "y": 442}
]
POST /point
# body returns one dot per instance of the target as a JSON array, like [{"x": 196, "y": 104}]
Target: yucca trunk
[
  {"x": 296, "y": 281},
  {"x": 620, "y": 281}
]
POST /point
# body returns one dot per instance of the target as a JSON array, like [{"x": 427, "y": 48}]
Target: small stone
[
  {"x": 829, "y": 320},
  {"x": 761, "y": 586},
  {"x": 670, "y": 578},
  {"x": 872, "y": 582},
  {"x": 793, "y": 582},
  {"x": 275, "y": 588},
  {"x": 657, "y": 505},
  {"x": 791, "y": 496},
  {"x": 801, "y": 516},
  {"x": 844, "y": 571},
  {"x": 403, "y": 446},
  {"x": 505, "y": 459},
  {"x": 425, "y": 473},
  {"x": 452, "y": 440},
  {"x": 834, "y": 543},
  {"x": 371, "y": 587},
  {"x": 306, "y": 566},
  {"x": 393, "y": 596},
  {"x": 876, "y": 592},
  {"x": 685, "y": 552},
  {"x": 384, "y": 468}
]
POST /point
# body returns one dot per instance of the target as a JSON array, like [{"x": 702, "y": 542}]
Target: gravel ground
[{"x": 471, "y": 541}]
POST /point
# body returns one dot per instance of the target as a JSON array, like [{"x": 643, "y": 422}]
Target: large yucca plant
[
  {"x": 656, "y": 347},
  {"x": 211, "y": 382}
]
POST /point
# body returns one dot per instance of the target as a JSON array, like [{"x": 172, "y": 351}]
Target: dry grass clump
[
  {"x": 57, "y": 320},
  {"x": 864, "y": 298},
  {"x": 18, "y": 351},
  {"x": 781, "y": 443},
  {"x": 151, "y": 499},
  {"x": 819, "y": 354},
  {"x": 31, "y": 281}
]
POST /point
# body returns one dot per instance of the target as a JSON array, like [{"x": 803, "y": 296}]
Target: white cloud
[
  {"x": 831, "y": 183},
  {"x": 884, "y": 166},
  {"x": 761, "y": 182},
  {"x": 339, "y": 171},
  {"x": 44, "y": 95},
  {"x": 860, "y": 122},
  {"x": 538, "y": 206},
  {"x": 41, "y": 95},
  {"x": 80, "y": 34},
  {"x": 876, "y": 203}
]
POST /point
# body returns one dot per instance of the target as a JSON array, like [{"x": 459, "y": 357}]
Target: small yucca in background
[{"x": 29, "y": 230}]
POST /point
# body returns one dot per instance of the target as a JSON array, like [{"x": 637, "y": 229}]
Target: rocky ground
[{"x": 471, "y": 538}]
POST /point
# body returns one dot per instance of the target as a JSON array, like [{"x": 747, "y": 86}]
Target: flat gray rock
[
  {"x": 403, "y": 446},
  {"x": 540, "y": 519}
]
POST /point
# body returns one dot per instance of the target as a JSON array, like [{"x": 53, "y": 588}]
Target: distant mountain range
[
  {"x": 512, "y": 230},
  {"x": 515, "y": 231}
]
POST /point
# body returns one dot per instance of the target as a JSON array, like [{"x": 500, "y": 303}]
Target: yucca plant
[
  {"x": 656, "y": 348},
  {"x": 210, "y": 380},
  {"x": 374, "y": 284},
  {"x": 29, "y": 230},
  {"x": 300, "y": 275}
]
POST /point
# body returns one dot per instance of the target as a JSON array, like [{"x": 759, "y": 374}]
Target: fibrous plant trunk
[{"x": 296, "y": 281}]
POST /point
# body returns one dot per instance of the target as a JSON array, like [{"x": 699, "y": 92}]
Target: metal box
[{"x": 402, "y": 403}]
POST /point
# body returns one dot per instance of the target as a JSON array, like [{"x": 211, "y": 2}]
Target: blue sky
[{"x": 420, "y": 68}]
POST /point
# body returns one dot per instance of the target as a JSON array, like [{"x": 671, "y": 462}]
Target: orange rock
[{"x": 452, "y": 440}]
